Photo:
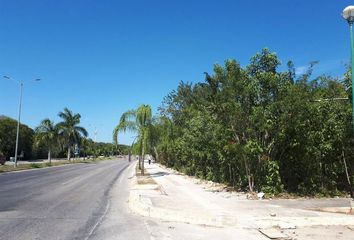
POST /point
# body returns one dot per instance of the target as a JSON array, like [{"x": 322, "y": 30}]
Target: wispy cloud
[
  {"x": 301, "y": 70},
  {"x": 335, "y": 66}
]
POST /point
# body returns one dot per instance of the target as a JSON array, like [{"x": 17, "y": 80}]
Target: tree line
[
  {"x": 48, "y": 139},
  {"x": 257, "y": 128}
]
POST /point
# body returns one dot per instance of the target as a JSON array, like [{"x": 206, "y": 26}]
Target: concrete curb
[
  {"x": 293, "y": 222},
  {"x": 142, "y": 205},
  {"x": 345, "y": 210}
]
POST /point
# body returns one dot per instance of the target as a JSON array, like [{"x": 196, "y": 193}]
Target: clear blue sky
[{"x": 101, "y": 58}]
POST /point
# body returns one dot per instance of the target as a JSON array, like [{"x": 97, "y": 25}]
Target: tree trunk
[
  {"x": 249, "y": 176},
  {"x": 230, "y": 174},
  {"x": 142, "y": 165},
  {"x": 347, "y": 174},
  {"x": 139, "y": 159},
  {"x": 69, "y": 153},
  {"x": 49, "y": 157},
  {"x": 142, "y": 162},
  {"x": 156, "y": 154}
]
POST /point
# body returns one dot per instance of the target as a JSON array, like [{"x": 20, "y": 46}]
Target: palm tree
[
  {"x": 69, "y": 128},
  {"x": 48, "y": 134},
  {"x": 140, "y": 121}
]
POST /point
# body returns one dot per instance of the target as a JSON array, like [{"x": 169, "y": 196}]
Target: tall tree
[
  {"x": 47, "y": 133},
  {"x": 70, "y": 130},
  {"x": 8, "y": 138},
  {"x": 260, "y": 128},
  {"x": 139, "y": 121}
]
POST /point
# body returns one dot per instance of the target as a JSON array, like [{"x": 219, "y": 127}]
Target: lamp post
[
  {"x": 19, "y": 114},
  {"x": 348, "y": 14}
]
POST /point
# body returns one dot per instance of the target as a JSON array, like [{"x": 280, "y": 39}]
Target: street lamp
[
  {"x": 19, "y": 113},
  {"x": 348, "y": 14}
]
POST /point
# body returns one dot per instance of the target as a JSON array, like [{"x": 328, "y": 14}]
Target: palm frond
[
  {"x": 81, "y": 130},
  {"x": 115, "y": 135},
  {"x": 144, "y": 115},
  {"x": 126, "y": 122},
  {"x": 68, "y": 128}
]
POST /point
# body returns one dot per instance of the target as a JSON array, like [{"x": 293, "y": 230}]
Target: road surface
[
  {"x": 56, "y": 203},
  {"x": 86, "y": 202}
]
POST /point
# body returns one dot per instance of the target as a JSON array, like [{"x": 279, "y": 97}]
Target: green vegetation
[
  {"x": 140, "y": 121},
  {"x": 258, "y": 128},
  {"x": 10, "y": 168},
  {"x": 47, "y": 134},
  {"x": 8, "y": 138},
  {"x": 50, "y": 140},
  {"x": 96, "y": 149},
  {"x": 69, "y": 129}
]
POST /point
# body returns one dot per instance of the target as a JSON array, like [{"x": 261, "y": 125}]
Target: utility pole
[
  {"x": 348, "y": 14},
  {"x": 19, "y": 116},
  {"x": 18, "y": 123}
]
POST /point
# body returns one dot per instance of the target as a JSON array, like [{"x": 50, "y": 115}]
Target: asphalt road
[
  {"x": 86, "y": 202},
  {"x": 90, "y": 202},
  {"x": 66, "y": 202}
]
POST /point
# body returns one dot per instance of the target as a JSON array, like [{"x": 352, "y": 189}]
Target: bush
[
  {"x": 36, "y": 165},
  {"x": 272, "y": 184}
]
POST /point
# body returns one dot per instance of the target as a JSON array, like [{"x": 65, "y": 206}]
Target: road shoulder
[{"x": 177, "y": 198}]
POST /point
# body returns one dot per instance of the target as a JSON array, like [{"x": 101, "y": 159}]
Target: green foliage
[
  {"x": 139, "y": 121},
  {"x": 259, "y": 128},
  {"x": 36, "y": 165},
  {"x": 70, "y": 130},
  {"x": 272, "y": 183},
  {"x": 8, "y": 129},
  {"x": 53, "y": 140},
  {"x": 47, "y": 134}
]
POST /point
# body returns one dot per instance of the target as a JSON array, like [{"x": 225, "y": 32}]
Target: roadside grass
[
  {"x": 11, "y": 168},
  {"x": 146, "y": 179}
]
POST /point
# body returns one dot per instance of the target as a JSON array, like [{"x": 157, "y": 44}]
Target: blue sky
[{"x": 101, "y": 58}]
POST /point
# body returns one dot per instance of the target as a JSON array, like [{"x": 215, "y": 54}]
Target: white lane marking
[
  {"x": 74, "y": 179},
  {"x": 120, "y": 178},
  {"x": 99, "y": 221},
  {"x": 123, "y": 175},
  {"x": 104, "y": 214}
]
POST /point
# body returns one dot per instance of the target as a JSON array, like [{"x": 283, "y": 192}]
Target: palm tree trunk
[
  {"x": 142, "y": 162},
  {"x": 156, "y": 154},
  {"x": 69, "y": 153},
  {"x": 49, "y": 156}
]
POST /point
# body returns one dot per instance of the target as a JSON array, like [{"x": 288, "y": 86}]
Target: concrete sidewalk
[{"x": 178, "y": 198}]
